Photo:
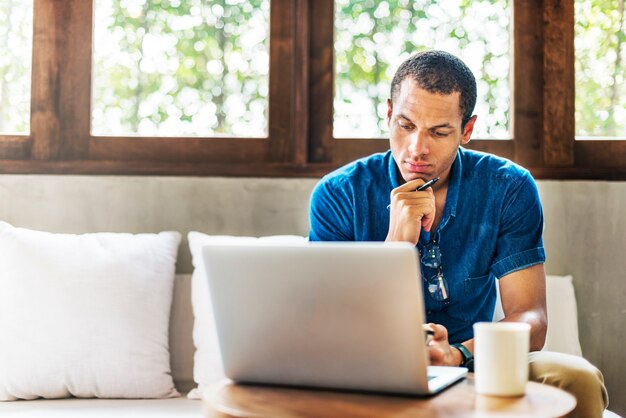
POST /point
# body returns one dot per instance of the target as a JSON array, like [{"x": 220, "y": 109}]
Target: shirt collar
[
  {"x": 393, "y": 171},
  {"x": 454, "y": 186}
]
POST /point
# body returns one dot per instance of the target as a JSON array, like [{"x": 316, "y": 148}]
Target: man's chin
[{"x": 414, "y": 176}]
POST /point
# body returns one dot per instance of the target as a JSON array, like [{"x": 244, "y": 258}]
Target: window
[
  {"x": 372, "y": 38},
  {"x": 61, "y": 138},
  {"x": 148, "y": 87},
  {"x": 198, "y": 69},
  {"x": 16, "y": 37},
  {"x": 600, "y": 41}
]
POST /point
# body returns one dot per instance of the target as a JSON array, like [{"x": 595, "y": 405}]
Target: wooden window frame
[
  {"x": 300, "y": 141},
  {"x": 61, "y": 141}
]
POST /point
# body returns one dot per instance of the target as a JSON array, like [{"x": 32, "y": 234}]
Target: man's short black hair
[{"x": 442, "y": 73}]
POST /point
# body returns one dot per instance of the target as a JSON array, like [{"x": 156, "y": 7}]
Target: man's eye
[
  {"x": 439, "y": 134},
  {"x": 405, "y": 126}
]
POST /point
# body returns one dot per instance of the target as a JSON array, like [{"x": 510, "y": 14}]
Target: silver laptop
[{"x": 330, "y": 315}]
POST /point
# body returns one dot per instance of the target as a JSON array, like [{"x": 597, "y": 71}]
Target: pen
[
  {"x": 423, "y": 187},
  {"x": 427, "y": 184}
]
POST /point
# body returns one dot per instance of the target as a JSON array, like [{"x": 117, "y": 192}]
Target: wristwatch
[{"x": 467, "y": 358}]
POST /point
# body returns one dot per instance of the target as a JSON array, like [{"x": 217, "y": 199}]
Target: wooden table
[{"x": 228, "y": 399}]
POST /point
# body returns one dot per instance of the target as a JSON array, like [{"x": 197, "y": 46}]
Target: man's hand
[
  {"x": 440, "y": 351},
  {"x": 410, "y": 211}
]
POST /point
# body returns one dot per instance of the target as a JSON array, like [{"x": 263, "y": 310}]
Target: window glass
[
  {"x": 181, "y": 68},
  {"x": 16, "y": 40},
  {"x": 600, "y": 42},
  {"x": 372, "y": 38}
]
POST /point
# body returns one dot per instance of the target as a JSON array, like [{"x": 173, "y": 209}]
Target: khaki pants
[{"x": 573, "y": 374}]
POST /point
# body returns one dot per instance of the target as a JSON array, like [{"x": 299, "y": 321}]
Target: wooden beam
[
  {"x": 321, "y": 79},
  {"x": 600, "y": 153},
  {"x": 281, "y": 103},
  {"x": 45, "y": 118},
  {"x": 300, "y": 114},
  {"x": 181, "y": 150},
  {"x": 558, "y": 77},
  {"x": 15, "y": 147},
  {"x": 120, "y": 167},
  {"x": 527, "y": 81},
  {"x": 61, "y": 86}
]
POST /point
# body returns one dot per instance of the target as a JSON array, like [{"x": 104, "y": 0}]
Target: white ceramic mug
[{"x": 501, "y": 358}]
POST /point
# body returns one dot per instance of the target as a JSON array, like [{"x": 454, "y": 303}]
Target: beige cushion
[
  {"x": 562, "y": 333},
  {"x": 181, "y": 326}
]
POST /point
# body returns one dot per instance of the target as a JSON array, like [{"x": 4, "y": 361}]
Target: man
[{"x": 478, "y": 225}]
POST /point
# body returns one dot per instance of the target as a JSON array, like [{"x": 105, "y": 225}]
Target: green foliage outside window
[
  {"x": 600, "y": 43},
  {"x": 181, "y": 67},
  {"x": 16, "y": 39},
  {"x": 200, "y": 68},
  {"x": 372, "y": 38}
]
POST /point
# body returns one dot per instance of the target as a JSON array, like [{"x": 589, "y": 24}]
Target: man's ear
[
  {"x": 389, "y": 111},
  {"x": 467, "y": 131}
]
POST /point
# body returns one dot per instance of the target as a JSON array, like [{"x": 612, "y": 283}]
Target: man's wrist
[
  {"x": 457, "y": 355},
  {"x": 467, "y": 358}
]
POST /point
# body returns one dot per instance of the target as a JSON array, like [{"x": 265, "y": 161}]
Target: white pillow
[
  {"x": 207, "y": 367},
  {"x": 85, "y": 315},
  {"x": 562, "y": 335}
]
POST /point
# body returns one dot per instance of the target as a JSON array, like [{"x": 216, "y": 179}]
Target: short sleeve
[
  {"x": 519, "y": 239},
  {"x": 330, "y": 215}
]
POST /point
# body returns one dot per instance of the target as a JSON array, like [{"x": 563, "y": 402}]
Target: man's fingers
[
  {"x": 410, "y": 185},
  {"x": 427, "y": 221},
  {"x": 420, "y": 207},
  {"x": 414, "y": 199},
  {"x": 408, "y": 210},
  {"x": 436, "y": 355},
  {"x": 413, "y": 195},
  {"x": 441, "y": 333}
]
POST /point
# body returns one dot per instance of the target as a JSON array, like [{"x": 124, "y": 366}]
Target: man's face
[{"x": 425, "y": 131}]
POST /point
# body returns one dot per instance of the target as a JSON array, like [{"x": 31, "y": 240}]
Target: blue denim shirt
[{"x": 491, "y": 226}]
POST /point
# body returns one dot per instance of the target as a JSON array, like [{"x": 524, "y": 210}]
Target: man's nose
[{"x": 419, "y": 142}]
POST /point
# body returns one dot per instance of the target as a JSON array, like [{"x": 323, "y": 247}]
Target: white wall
[
  {"x": 232, "y": 206},
  {"x": 585, "y": 231}
]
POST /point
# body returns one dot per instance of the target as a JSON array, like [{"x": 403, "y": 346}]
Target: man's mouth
[{"x": 417, "y": 167}]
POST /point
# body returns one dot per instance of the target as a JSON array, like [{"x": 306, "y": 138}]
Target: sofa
[
  {"x": 562, "y": 336},
  {"x": 88, "y": 204}
]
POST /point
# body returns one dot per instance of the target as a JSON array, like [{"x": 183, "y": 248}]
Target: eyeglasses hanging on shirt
[{"x": 436, "y": 284}]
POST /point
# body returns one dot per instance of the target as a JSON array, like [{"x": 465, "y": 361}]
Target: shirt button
[{"x": 429, "y": 312}]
